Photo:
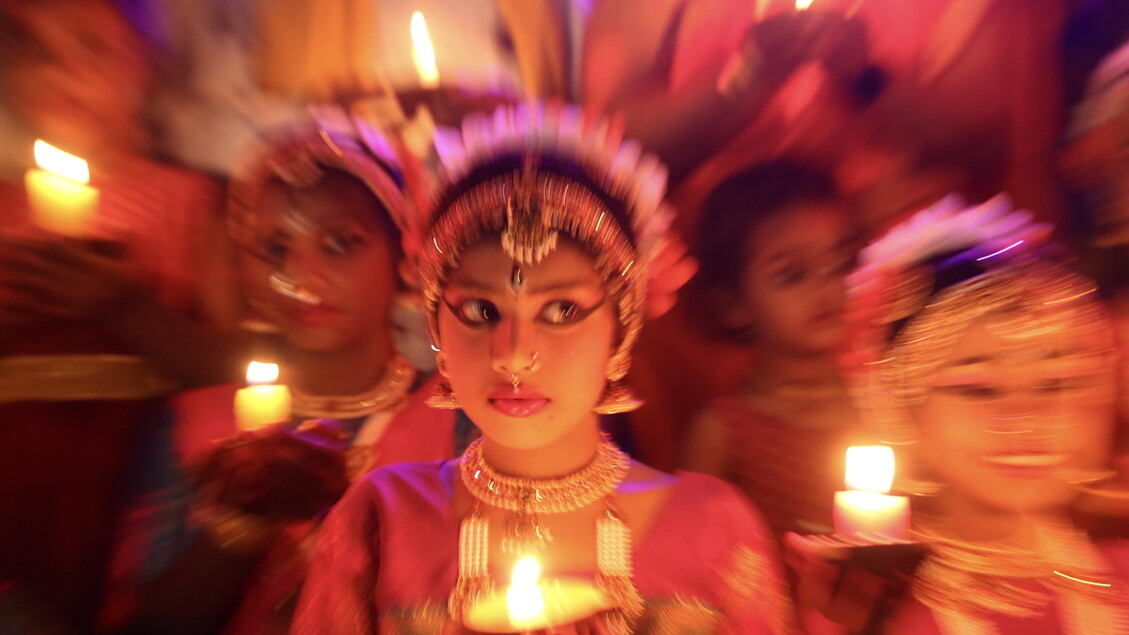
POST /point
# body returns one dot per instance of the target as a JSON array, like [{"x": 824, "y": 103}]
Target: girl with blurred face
[
  {"x": 776, "y": 245},
  {"x": 535, "y": 270},
  {"x": 320, "y": 212},
  {"x": 993, "y": 366}
]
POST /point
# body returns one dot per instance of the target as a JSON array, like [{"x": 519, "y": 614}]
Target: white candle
[
  {"x": 61, "y": 201},
  {"x": 423, "y": 53},
  {"x": 263, "y": 402},
  {"x": 865, "y": 509}
]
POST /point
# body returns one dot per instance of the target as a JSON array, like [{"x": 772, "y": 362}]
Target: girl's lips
[
  {"x": 519, "y": 402},
  {"x": 518, "y": 407}
]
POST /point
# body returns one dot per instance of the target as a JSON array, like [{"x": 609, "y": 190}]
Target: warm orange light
[
  {"x": 62, "y": 163},
  {"x": 524, "y": 599},
  {"x": 57, "y": 191},
  {"x": 262, "y": 403},
  {"x": 423, "y": 53},
  {"x": 802, "y": 5},
  {"x": 870, "y": 468},
  {"x": 260, "y": 373}
]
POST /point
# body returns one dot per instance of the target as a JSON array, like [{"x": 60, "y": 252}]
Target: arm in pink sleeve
[{"x": 338, "y": 596}]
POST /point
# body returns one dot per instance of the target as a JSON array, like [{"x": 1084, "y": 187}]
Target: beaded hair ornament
[
  {"x": 919, "y": 288},
  {"x": 534, "y": 173}
]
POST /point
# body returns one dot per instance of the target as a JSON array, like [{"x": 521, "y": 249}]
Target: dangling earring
[
  {"x": 617, "y": 398},
  {"x": 442, "y": 396}
]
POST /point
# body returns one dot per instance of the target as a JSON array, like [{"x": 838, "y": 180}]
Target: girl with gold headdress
[
  {"x": 535, "y": 272},
  {"x": 321, "y": 213},
  {"x": 991, "y": 366}
]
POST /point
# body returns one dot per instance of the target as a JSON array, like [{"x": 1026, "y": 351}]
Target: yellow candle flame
[
  {"x": 870, "y": 468},
  {"x": 66, "y": 165},
  {"x": 260, "y": 373},
  {"x": 423, "y": 53},
  {"x": 524, "y": 599},
  {"x": 802, "y": 5}
]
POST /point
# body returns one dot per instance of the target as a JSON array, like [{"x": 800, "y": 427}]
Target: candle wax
[
  {"x": 261, "y": 406},
  {"x": 866, "y": 514},
  {"x": 59, "y": 204}
]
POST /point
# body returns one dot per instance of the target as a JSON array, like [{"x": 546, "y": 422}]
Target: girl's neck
[
  {"x": 972, "y": 520},
  {"x": 782, "y": 368},
  {"x": 347, "y": 371},
  {"x": 563, "y": 456}
]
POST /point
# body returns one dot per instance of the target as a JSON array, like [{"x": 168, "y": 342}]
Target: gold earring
[
  {"x": 443, "y": 397},
  {"x": 617, "y": 398}
]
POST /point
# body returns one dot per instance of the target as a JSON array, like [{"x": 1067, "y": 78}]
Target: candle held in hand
[
  {"x": 61, "y": 201},
  {"x": 262, "y": 403},
  {"x": 865, "y": 510}
]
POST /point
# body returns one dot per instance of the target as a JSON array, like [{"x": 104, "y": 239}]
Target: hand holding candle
[
  {"x": 263, "y": 402},
  {"x": 61, "y": 201},
  {"x": 865, "y": 510}
]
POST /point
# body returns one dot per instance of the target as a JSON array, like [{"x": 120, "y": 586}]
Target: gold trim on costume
[{"x": 80, "y": 378}]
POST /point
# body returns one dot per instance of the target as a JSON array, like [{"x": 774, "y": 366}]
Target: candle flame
[
  {"x": 870, "y": 468},
  {"x": 524, "y": 599},
  {"x": 260, "y": 373},
  {"x": 423, "y": 53},
  {"x": 66, "y": 165},
  {"x": 802, "y": 5}
]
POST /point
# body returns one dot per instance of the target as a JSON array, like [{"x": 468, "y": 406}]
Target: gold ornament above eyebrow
[{"x": 528, "y": 235}]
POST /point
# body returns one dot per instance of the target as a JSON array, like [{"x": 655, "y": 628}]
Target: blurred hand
[
  {"x": 57, "y": 277},
  {"x": 777, "y": 46},
  {"x": 277, "y": 473}
]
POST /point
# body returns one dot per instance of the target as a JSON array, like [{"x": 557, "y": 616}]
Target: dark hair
[{"x": 732, "y": 213}]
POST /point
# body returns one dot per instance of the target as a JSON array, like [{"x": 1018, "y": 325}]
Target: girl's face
[
  {"x": 1024, "y": 401},
  {"x": 328, "y": 241},
  {"x": 553, "y": 324},
  {"x": 795, "y": 279}
]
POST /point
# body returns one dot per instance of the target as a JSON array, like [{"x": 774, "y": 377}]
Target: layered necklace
[
  {"x": 526, "y": 499},
  {"x": 965, "y": 583},
  {"x": 387, "y": 394}
]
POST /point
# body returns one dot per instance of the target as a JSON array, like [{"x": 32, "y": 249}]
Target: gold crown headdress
[{"x": 533, "y": 173}]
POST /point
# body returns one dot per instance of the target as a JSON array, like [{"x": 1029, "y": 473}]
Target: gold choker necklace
[
  {"x": 387, "y": 394},
  {"x": 558, "y": 495},
  {"x": 527, "y": 497}
]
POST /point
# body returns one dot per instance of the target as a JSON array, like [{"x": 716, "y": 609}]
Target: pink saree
[{"x": 387, "y": 559}]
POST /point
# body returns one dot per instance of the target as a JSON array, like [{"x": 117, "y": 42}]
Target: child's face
[
  {"x": 556, "y": 331},
  {"x": 327, "y": 241},
  {"x": 795, "y": 278},
  {"x": 75, "y": 72}
]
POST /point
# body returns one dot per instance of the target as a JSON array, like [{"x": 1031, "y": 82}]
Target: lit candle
[
  {"x": 263, "y": 402},
  {"x": 61, "y": 201},
  {"x": 533, "y": 604},
  {"x": 423, "y": 53},
  {"x": 865, "y": 509},
  {"x": 802, "y": 5},
  {"x": 524, "y": 600}
]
